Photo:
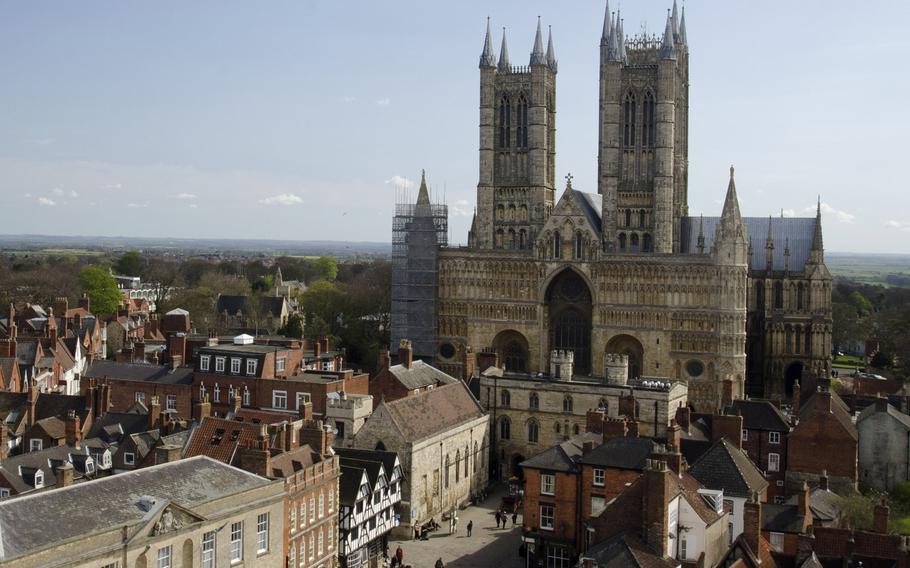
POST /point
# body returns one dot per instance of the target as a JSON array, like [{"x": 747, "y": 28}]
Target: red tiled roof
[{"x": 219, "y": 438}]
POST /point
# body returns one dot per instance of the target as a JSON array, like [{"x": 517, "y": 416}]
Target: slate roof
[
  {"x": 724, "y": 466},
  {"x": 19, "y": 470},
  {"x": 799, "y": 231},
  {"x": 27, "y": 352},
  {"x": 53, "y": 427},
  {"x": 139, "y": 372},
  {"x": 113, "y": 502},
  {"x": 894, "y": 413},
  {"x": 349, "y": 485},
  {"x": 434, "y": 411},
  {"x": 592, "y": 205},
  {"x": 420, "y": 375},
  {"x": 626, "y": 550},
  {"x": 285, "y": 464},
  {"x": 621, "y": 453},
  {"x": 387, "y": 459},
  {"x": 563, "y": 456},
  {"x": 824, "y": 504},
  {"x": 234, "y": 304},
  {"x": 6, "y": 367},
  {"x": 760, "y": 415},
  {"x": 53, "y": 404},
  {"x": 113, "y": 426},
  {"x": 782, "y": 518}
]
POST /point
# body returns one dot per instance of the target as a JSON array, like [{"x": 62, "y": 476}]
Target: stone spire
[
  {"x": 668, "y": 47},
  {"x": 504, "y": 64},
  {"x": 487, "y": 59},
  {"x": 730, "y": 235},
  {"x": 423, "y": 196},
  {"x": 682, "y": 29},
  {"x": 769, "y": 248},
  {"x": 674, "y": 17},
  {"x": 613, "y": 51},
  {"x": 701, "y": 234},
  {"x": 787, "y": 254},
  {"x": 608, "y": 27},
  {"x": 551, "y": 51},
  {"x": 731, "y": 203},
  {"x": 816, "y": 253},
  {"x": 538, "y": 57},
  {"x": 620, "y": 37}
]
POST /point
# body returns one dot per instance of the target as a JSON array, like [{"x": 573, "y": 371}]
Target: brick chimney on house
[
  {"x": 202, "y": 409},
  {"x": 50, "y": 330},
  {"x": 881, "y": 403},
  {"x": 77, "y": 322},
  {"x": 73, "y": 430},
  {"x": 32, "y": 402},
  {"x": 684, "y": 418},
  {"x": 384, "y": 361},
  {"x": 614, "y": 428},
  {"x": 318, "y": 436},
  {"x": 306, "y": 410},
  {"x": 167, "y": 453},
  {"x": 139, "y": 350},
  {"x": 752, "y": 524},
  {"x": 594, "y": 421},
  {"x": 257, "y": 458},
  {"x": 236, "y": 404},
  {"x": 317, "y": 348},
  {"x": 176, "y": 347},
  {"x": 405, "y": 353},
  {"x": 487, "y": 358},
  {"x": 4, "y": 441},
  {"x": 823, "y": 480},
  {"x": 729, "y": 426},
  {"x": 154, "y": 415},
  {"x": 213, "y": 338},
  {"x": 655, "y": 508},
  {"x": 85, "y": 303},
  {"x": 674, "y": 434},
  {"x": 802, "y": 500},
  {"x": 65, "y": 474},
  {"x": 880, "y": 517}
]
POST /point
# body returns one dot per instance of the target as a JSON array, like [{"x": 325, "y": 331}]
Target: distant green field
[
  {"x": 53, "y": 252},
  {"x": 879, "y": 269}
]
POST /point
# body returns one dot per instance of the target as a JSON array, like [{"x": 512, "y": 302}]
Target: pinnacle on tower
[
  {"x": 608, "y": 27},
  {"x": 674, "y": 17},
  {"x": 701, "y": 234},
  {"x": 621, "y": 38},
  {"x": 613, "y": 51},
  {"x": 817, "y": 241},
  {"x": 551, "y": 51},
  {"x": 487, "y": 59},
  {"x": 668, "y": 47},
  {"x": 538, "y": 57},
  {"x": 769, "y": 241},
  {"x": 423, "y": 196},
  {"x": 504, "y": 64},
  {"x": 682, "y": 28},
  {"x": 731, "y": 203}
]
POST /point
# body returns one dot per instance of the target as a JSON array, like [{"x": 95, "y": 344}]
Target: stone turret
[
  {"x": 538, "y": 56},
  {"x": 562, "y": 364},
  {"x": 616, "y": 369}
]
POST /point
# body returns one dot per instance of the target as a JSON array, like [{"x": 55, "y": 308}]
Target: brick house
[
  {"x": 825, "y": 441},
  {"x": 407, "y": 378},
  {"x": 782, "y": 524},
  {"x": 129, "y": 383},
  {"x": 765, "y": 433}
]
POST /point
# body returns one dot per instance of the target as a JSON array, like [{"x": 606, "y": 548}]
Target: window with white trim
[
  {"x": 236, "y": 542},
  {"x": 331, "y": 500},
  {"x": 302, "y": 398},
  {"x": 302, "y": 551},
  {"x": 204, "y": 362},
  {"x": 246, "y": 396},
  {"x": 39, "y": 479},
  {"x": 598, "y": 504},
  {"x": 303, "y": 513},
  {"x": 292, "y": 556},
  {"x": 293, "y": 517},
  {"x": 201, "y": 392},
  {"x": 312, "y": 545},
  {"x": 774, "y": 437},
  {"x": 773, "y": 462},
  {"x": 216, "y": 392},
  {"x": 322, "y": 505},
  {"x": 598, "y": 477},
  {"x": 331, "y": 532},
  {"x": 546, "y": 517},
  {"x": 171, "y": 402},
  {"x": 547, "y": 484},
  {"x": 262, "y": 533},
  {"x": 4, "y": 492},
  {"x": 557, "y": 556},
  {"x": 321, "y": 542},
  {"x": 208, "y": 550},
  {"x": 35, "y": 445},
  {"x": 312, "y": 509},
  {"x": 140, "y": 397},
  {"x": 219, "y": 364},
  {"x": 251, "y": 367},
  {"x": 777, "y": 541},
  {"x": 164, "y": 557},
  {"x": 279, "y": 399},
  {"x": 745, "y": 435},
  {"x": 235, "y": 366},
  {"x": 129, "y": 458},
  {"x": 280, "y": 362}
]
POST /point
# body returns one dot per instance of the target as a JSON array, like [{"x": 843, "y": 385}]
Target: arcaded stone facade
[{"x": 624, "y": 270}]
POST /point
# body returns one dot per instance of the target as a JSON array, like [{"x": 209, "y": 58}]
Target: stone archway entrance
[
  {"x": 628, "y": 345},
  {"x": 512, "y": 348},
  {"x": 516, "y": 470},
  {"x": 793, "y": 373},
  {"x": 569, "y": 302}
]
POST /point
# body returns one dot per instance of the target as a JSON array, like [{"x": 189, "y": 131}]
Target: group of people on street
[{"x": 503, "y": 518}]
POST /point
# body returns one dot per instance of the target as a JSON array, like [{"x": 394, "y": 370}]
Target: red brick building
[
  {"x": 407, "y": 378},
  {"x": 137, "y": 382},
  {"x": 764, "y": 438}
]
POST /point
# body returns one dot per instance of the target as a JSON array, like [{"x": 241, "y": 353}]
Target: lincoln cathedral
[{"x": 620, "y": 269}]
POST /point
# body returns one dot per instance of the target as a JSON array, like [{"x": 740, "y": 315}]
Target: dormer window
[
  {"x": 219, "y": 364},
  {"x": 39, "y": 479},
  {"x": 36, "y": 445},
  {"x": 204, "y": 362},
  {"x": 251, "y": 367},
  {"x": 235, "y": 366}
]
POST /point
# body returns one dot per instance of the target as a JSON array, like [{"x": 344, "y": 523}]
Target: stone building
[
  {"x": 883, "y": 448},
  {"x": 193, "y": 512},
  {"x": 533, "y": 413},
  {"x": 623, "y": 268},
  {"x": 440, "y": 437}
]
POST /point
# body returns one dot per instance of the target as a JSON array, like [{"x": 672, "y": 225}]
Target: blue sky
[{"x": 299, "y": 119}]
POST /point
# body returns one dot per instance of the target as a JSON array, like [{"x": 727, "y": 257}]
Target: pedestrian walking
[
  {"x": 514, "y": 518},
  {"x": 439, "y": 563},
  {"x": 399, "y": 556},
  {"x": 498, "y": 517},
  {"x": 470, "y": 527}
]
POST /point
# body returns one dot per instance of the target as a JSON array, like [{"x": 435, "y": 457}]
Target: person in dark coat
[
  {"x": 439, "y": 563},
  {"x": 498, "y": 518},
  {"x": 514, "y": 518},
  {"x": 399, "y": 556},
  {"x": 470, "y": 527}
]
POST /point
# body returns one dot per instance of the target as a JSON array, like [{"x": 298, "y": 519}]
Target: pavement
[{"x": 486, "y": 547}]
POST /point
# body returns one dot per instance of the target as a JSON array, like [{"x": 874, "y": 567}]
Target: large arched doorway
[
  {"x": 631, "y": 347},
  {"x": 516, "y": 467},
  {"x": 569, "y": 300},
  {"x": 512, "y": 348},
  {"x": 794, "y": 373}
]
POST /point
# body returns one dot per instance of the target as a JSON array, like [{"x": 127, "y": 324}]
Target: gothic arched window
[
  {"x": 633, "y": 242},
  {"x": 647, "y": 131},
  {"x": 579, "y": 246},
  {"x": 522, "y": 238},
  {"x": 575, "y": 429},
  {"x": 505, "y": 122},
  {"x": 448, "y": 466},
  {"x": 557, "y": 245},
  {"x": 457, "y": 466},
  {"x": 799, "y": 296},
  {"x": 522, "y": 141},
  {"x": 505, "y": 398},
  {"x": 646, "y": 243},
  {"x": 533, "y": 401},
  {"x": 622, "y": 242},
  {"x": 628, "y": 217},
  {"x": 567, "y": 404},
  {"x": 505, "y": 428},
  {"x": 628, "y": 136},
  {"x": 778, "y": 295},
  {"x": 533, "y": 431},
  {"x": 499, "y": 238},
  {"x": 512, "y": 241},
  {"x": 641, "y": 218}
]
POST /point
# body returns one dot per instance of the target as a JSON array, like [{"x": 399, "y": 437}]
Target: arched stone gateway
[
  {"x": 512, "y": 348},
  {"x": 632, "y": 348},
  {"x": 569, "y": 301}
]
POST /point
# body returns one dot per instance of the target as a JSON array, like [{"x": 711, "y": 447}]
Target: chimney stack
[
  {"x": 257, "y": 458},
  {"x": 85, "y": 303},
  {"x": 317, "y": 435},
  {"x": 731, "y": 427},
  {"x": 65, "y": 474},
  {"x": 405, "y": 353},
  {"x": 202, "y": 409},
  {"x": 4, "y": 441},
  {"x": 656, "y": 505},
  {"x": 154, "y": 415},
  {"x": 880, "y": 517},
  {"x": 167, "y": 453},
  {"x": 823, "y": 480},
  {"x": 684, "y": 418},
  {"x": 802, "y": 499},
  {"x": 306, "y": 411},
  {"x": 73, "y": 430},
  {"x": 674, "y": 435},
  {"x": 317, "y": 348},
  {"x": 384, "y": 362},
  {"x": 752, "y": 524}
]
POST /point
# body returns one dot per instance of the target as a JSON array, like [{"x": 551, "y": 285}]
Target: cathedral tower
[
  {"x": 643, "y": 153},
  {"x": 517, "y": 145}
]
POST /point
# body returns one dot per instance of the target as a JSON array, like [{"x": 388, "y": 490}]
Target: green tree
[
  {"x": 326, "y": 267},
  {"x": 327, "y": 302},
  {"x": 294, "y": 327},
  {"x": 129, "y": 264},
  {"x": 101, "y": 289}
]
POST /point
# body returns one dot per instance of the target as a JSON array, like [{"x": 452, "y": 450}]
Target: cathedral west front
[{"x": 617, "y": 269}]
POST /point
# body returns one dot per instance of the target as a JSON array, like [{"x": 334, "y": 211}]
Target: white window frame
[
  {"x": 599, "y": 477},
  {"x": 745, "y": 435},
  {"x": 164, "y": 556},
  {"x": 208, "y": 549},
  {"x": 205, "y": 362},
  {"x": 235, "y": 366},
  {"x": 35, "y": 445},
  {"x": 139, "y": 397},
  {"x": 219, "y": 364},
  {"x": 302, "y": 397},
  {"x": 4, "y": 492},
  {"x": 262, "y": 533},
  {"x": 171, "y": 402},
  {"x": 544, "y": 524},
  {"x": 246, "y": 396},
  {"x": 547, "y": 484},
  {"x": 251, "y": 365},
  {"x": 280, "y": 363},
  {"x": 114, "y": 564},
  {"x": 129, "y": 458},
  {"x": 280, "y": 399},
  {"x": 236, "y": 542},
  {"x": 39, "y": 479},
  {"x": 777, "y": 541},
  {"x": 302, "y": 513},
  {"x": 774, "y": 437},
  {"x": 292, "y": 520},
  {"x": 773, "y": 462},
  {"x": 216, "y": 393},
  {"x": 321, "y": 542},
  {"x": 331, "y": 500},
  {"x": 312, "y": 509},
  {"x": 302, "y": 551},
  {"x": 312, "y": 545},
  {"x": 683, "y": 549}
]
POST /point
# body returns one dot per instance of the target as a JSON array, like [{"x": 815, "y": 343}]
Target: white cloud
[
  {"x": 282, "y": 199},
  {"x": 840, "y": 215},
  {"x": 185, "y": 196},
  {"x": 348, "y": 99},
  {"x": 136, "y": 205},
  {"x": 45, "y": 202},
  {"x": 57, "y": 191},
  {"x": 112, "y": 186},
  {"x": 27, "y": 195},
  {"x": 400, "y": 182},
  {"x": 462, "y": 208},
  {"x": 789, "y": 212},
  {"x": 73, "y": 193},
  {"x": 384, "y": 102},
  {"x": 899, "y": 225}
]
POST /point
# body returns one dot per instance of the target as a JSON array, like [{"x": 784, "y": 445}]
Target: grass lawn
[
  {"x": 902, "y": 525},
  {"x": 848, "y": 360}
]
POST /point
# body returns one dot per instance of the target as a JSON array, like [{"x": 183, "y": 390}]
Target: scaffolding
[{"x": 418, "y": 231}]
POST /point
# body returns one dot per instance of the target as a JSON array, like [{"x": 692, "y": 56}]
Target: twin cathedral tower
[{"x": 624, "y": 270}]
